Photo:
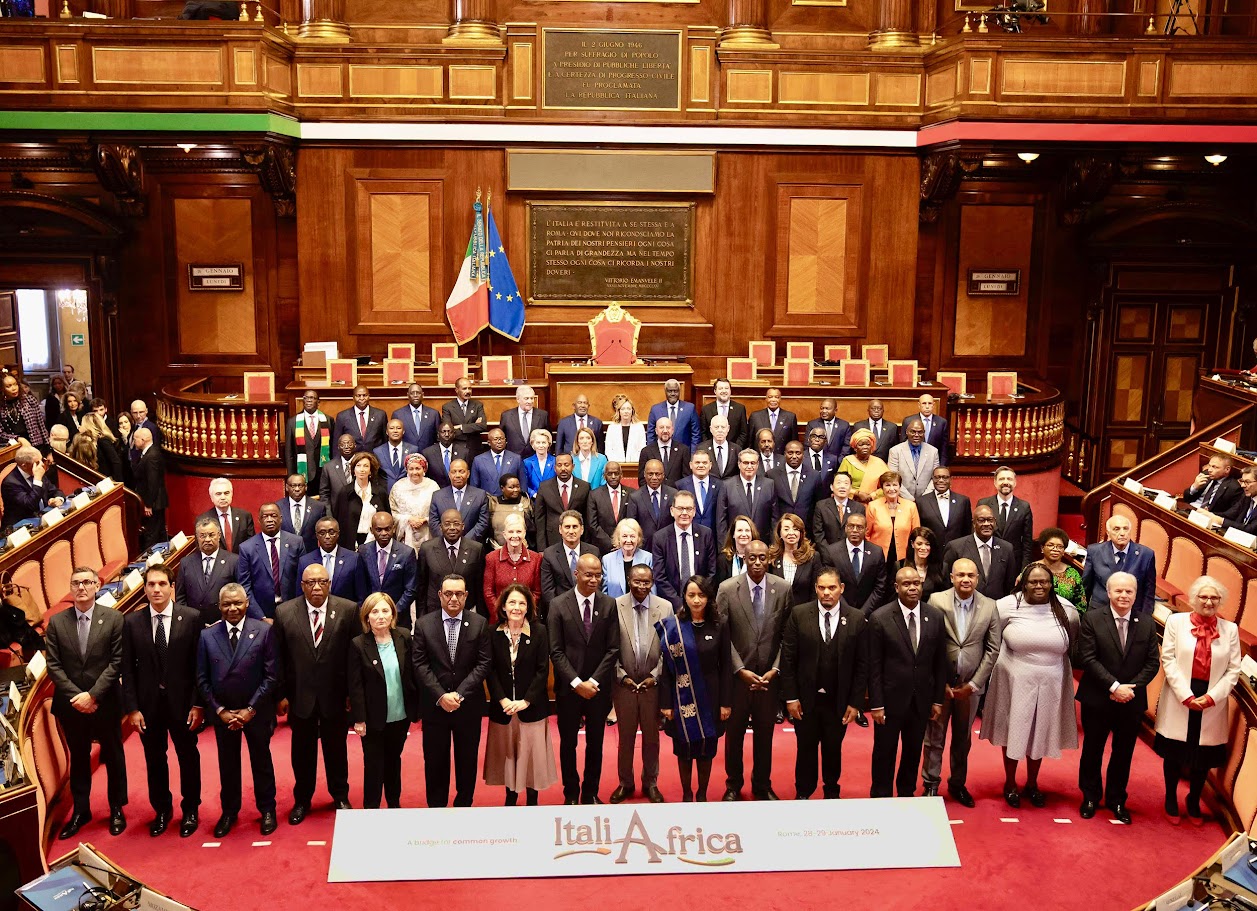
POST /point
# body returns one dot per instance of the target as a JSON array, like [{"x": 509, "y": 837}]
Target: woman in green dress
[{"x": 1066, "y": 579}]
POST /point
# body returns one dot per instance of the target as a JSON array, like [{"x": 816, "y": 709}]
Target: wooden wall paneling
[
  {"x": 210, "y": 323},
  {"x": 820, "y": 228}
]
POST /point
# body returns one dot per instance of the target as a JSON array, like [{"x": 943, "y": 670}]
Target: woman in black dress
[
  {"x": 356, "y": 502},
  {"x": 793, "y": 557},
  {"x": 925, "y": 555}
]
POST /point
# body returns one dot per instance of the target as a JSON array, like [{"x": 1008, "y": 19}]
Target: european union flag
[{"x": 506, "y": 304}]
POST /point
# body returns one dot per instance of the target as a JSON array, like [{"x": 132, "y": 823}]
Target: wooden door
[{"x": 10, "y": 344}]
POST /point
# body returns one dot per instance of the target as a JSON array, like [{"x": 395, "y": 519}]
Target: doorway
[{"x": 52, "y": 336}]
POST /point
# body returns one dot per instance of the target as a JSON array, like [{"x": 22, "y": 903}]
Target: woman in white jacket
[{"x": 1200, "y": 654}]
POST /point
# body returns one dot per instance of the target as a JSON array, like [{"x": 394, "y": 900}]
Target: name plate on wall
[
  {"x": 610, "y": 251},
  {"x": 620, "y": 70},
  {"x": 213, "y": 277}
]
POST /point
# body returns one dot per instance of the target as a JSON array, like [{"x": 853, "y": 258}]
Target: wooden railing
[
  {"x": 1028, "y": 431},
  {"x": 199, "y": 425}
]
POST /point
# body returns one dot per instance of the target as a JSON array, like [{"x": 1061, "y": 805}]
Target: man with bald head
[
  {"x": 672, "y": 454},
  {"x": 885, "y": 433},
  {"x": 651, "y": 505},
  {"x": 150, "y": 485},
  {"x": 723, "y": 451},
  {"x": 994, "y": 557},
  {"x": 579, "y": 419},
  {"x": 973, "y": 642},
  {"x": 471, "y": 503},
  {"x": 362, "y": 421},
  {"x": 685, "y": 424},
  {"x": 1118, "y": 553},
  {"x": 140, "y": 419}
]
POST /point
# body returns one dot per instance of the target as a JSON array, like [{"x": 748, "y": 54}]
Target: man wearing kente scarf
[{"x": 308, "y": 443}]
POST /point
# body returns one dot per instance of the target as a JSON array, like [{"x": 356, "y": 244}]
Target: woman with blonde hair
[
  {"x": 538, "y": 467},
  {"x": 83, "y": 449},
  {"x": 626, "y": 436},
  {"x": 109, "y": 461},
  {"x": 587, "y": 461}
]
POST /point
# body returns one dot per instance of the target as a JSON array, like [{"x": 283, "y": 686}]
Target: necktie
[
  {"x": 349, "y": 476},
  {"x": 453, "y": 553},
  {"x": 877, "y": 430},
  {"x": 458, "y": 498},
  {"x": 794, "y": 484},
  {"x": 654, "y": 500},
  {"x": 1121, "y": 631},
  {"x": 418, "y": 418},
  {"x": 316, "y": 620},
  {"x": 639, "y": 644},
  {"x": 672, "y": 414},
  {"x": 829, "y": 431},
  {"x": 750, "y": 497},
  {"x": 720, "y": 459},
  {"x": 85, "y": 627},
  {"x": 329, "y": 563},
  {"x": 1120, "y": 557},
  {"x": 944, "y": 508},
  {"x": 772, "y": 419},
  {"x": 235, "y": 639},
  {"x": 816, "y": 460},
  {"x": 1209, "y": 492},
  {"x": 1252, "y": 505},
  {"x": 916, "y": 457},
  {"x": 445, "y": 456},
  {"x": 497, "y": 463},
  {"x": 563, "y": 495},
  {"x": 757, "y": 603},
  {"x": 962, "y": 620},
  {"x": 615, "y": 502},
  {"x": 451, "y": 636},
  {"x": 296, "y": 517},
  {"x": 382, "y": 565},
  {"x": 580, "y": 423},
  {"x": 310, "y": 426},
  {"x": 159, "y": 644},
  {"x": 685, "y": 556},
  {"x": 396, "y": 461},
  {"x": 702, "y": 495},
  {"x": 589, "y": 618},
  {"x": 523, "y": 423},
  {"x": 1003, "y": 516},
  {"x": 362, "y": 425},
  {"x": 209, "y": 563},
  {"x": 927, "y": 429},
  {"x": 855, "y": 561},
  {"x": 984, "y": 553},
  {"x": 225, "y": 521},
  {"x": 664, "y": 452},
  {"x": 828, "y": 629},
  {"x": 274, "y": 565},
  {"x": 912, "y": 629},
  {"x": 571, "y": 563}
]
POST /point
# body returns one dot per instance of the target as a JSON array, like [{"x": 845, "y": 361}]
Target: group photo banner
[{"x": 603, "y": 840}]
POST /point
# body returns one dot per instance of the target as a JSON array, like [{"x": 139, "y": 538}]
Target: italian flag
[{"x": 467, "y": 308}]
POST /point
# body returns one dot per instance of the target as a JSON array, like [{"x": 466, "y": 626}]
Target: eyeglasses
[
  {"x": 455, "y": 595},
  {"x": 322, "y": 583},
  {"x": 1209, "y": 598},
  {"x": 88, "y": 583}
]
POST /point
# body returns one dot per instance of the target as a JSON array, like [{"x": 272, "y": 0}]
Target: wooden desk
[{"x": 642, "y": 384}]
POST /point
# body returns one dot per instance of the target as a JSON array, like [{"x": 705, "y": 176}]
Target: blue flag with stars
[{"x": 506, "y": 304}]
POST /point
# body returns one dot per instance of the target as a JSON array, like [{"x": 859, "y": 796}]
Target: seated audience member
[
  {"x": 150, "y": 485},
  {"x": 1014, "y": 520},
  {"x": 559, "y": 560},
  {"x": 829, "y": 517},
  {"x": 885, "y": 433},
  {"x": 518, "y": 423},
  {"x": 588, "y": 463},
  {"x": 625, "y": 435},
  {"x": 837, "y": 431},
  {"x": 410, "y": 502},
  {"x": 23, "y": 491},
  {"x": 926, "y": 557},
  {"x": 451, "y": 553},
  {"x": 299, "y": 513},
  {"x": 944, "y": 511},
  {"x": 685, "y": 425},
  {"x": 21, "y": 418},
  {"x": 236, "y": 524},
  {"x": 388, "y": 566},
  {"x": 1120, "y": 554},
  {"x": 579, "y": 419},
  {"x": 420, "y": 421},
  {"x": 935, "y": 427},
  {"x": 488, "y": 468},
  {"x": 519, "y": 754},
  {"x": 467, "y": 416},
  {"x": 997, "y": 572},
  {"x": 724, "y": 453},
  {"x": 746, "y": 494},
  {"x": 607, "y": 506},
  {"x": 627, "y": 553},
  {"x": 362, "y": 421},
  {"x": 793, "y": 558},
  {"x": 1067, "y": 581},
  {"x": 341, "y": 563},
  {"x": 538, "y": 467},
  {"x": 725, "y": 407},
  {"x": 1214, "y": 489},
  {"x": 383, "y": 698},
  {"x": 650, "y": 505},
  {"x": 511, "y": 564},
  {"x": 443, "y": 452},
  {"x": 360, "y": 499},
  {"x": 469, "y": 502},
  {"x": 681, "y": 550},
  {"x": 782, "y": 424},
  {"x": 1243, "y": 515},
  {"x": 635, "y": 699},
  {"x": 704, "y": 486},
  {"x": 674, "y": 456},
  {"x": 557, "y": 496},
  {"x": 393, "y": 452},
  {"x": 202, "y": 576},
  {"x": 861, "y": 566},
  {"x": 915, "y": 460},
  {"x": 268, "y": 565},
  {"x": 510, "y": 501},
  {"x": 336, "y": 473}
]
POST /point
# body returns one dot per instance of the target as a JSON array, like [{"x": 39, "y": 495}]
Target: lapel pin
[
  {"x": 373, "y": 661},
  {"x": 466, "y": 623},
  {"x": 333, "y": 615},
  {"x": 251, "y": 635},
  {"x": 842, "y": 621}
]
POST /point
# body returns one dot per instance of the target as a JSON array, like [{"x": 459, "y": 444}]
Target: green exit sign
[{"x": 76, "y": 340}]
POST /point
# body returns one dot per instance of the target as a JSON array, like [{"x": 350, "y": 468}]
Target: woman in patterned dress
[{"x": 1066, "y": 580}]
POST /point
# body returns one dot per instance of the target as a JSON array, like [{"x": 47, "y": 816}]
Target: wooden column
[
  {"x": 1090, "y": 22},
  {"x": 324, "y": 20},
  {"x": 748, "y": 25},
  {"x": 896, "y": 25},
  {"x": 472, "y": 22}
]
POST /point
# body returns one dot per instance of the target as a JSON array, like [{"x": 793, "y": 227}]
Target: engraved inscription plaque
[
  {"x": 619, "y": 70},
  {"x": 610, "y": 251}
]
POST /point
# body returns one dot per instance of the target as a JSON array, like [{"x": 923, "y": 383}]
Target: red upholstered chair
[
  {"x": 58, "y": 566},
  {"x": 44, "y": 751},
  {"x": 1186, "y": 565},
  {"x": 113, "y": 542},
  {"x": 29, "y": 575},
  {"x": 87, "y": 547},
  {"x": 1244, "y": 791},
  {"x": 1152, "y": 534},
  {"x": 1121, "y": 509},
  {"x": 1225, "y": 572}
]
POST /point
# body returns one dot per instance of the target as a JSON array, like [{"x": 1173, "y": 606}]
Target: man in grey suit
[
  {"x": 973, "y": 641},
  {"x": 636, "y": 693},
  {"x": 755, "y": 605},
  {"x": 915, "y": 460},
  {"x": 84, "y": 652},
  {"x": 997, "y": 569},
  {"x": 201, "y": 577}
]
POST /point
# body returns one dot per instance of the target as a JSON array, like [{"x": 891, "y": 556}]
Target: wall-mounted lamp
[
  {"x": 1028, "y": 157},
  {"x": 1215, "y": 159}
]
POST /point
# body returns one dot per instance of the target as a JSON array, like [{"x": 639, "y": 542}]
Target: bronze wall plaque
[
  {"x": 610, "y": 251},
  {"x": 621, "y": 70}
]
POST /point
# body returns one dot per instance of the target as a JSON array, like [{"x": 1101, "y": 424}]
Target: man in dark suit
[
  {"x": 467, "y": 417},
  {"x": 556, "y": 496},
  {"x": 885, "y": 432},
  {"x": 160, "y": 698},
  {"x": 361, "y": 421},
  {"x": 997, "y": 569},
  {"x": 418, "y": 420},
  {"x": 685, "y": 424},
  {"x": 519, "y": 422},
  {"x": 837, "y": 431},
  {"x": 824, "y": 665},
  {"x": 796, "y": 490},
  {"x": 452, "y": 656},
  {"x": 681, "y": 550},
  {"x": 23, "y": 491},
  {"x": 907, "y": 677},
  {"x": 1214, "y": 489},
  {"x": 386, "y": 565},
  {"x": 935, "y": 426},
  {"x": 299, "y": 514},
  {"x": 235, "y": 524},
  {"x": 723, "y": 452},
  {"x": 558, "y": 561},
  {"x": 335, "y": 474},
  {"x": 237, "y": 671},
  {"x": 141, "y": 421},
  {"x": 784, "y": 425},
  {"x": 340, "y": 563},
  {"x": 305, "y": 456},
  {"x": 704, "y": 487},
  {"x": 861, "y": 566},
  {"x": 392, "y": 454},
  {"x": 736, "y": 501},
  {"x": 584, "y": 646},
  {"x": 268, "y": 565},
  {"x": 202, "y": 576},
  {"x": 755, "y": 604},
  {"x": 1243, "y": 515},
  {"x": 605, "y": 507},
  {"x": 817, "y": 459},
  {"x": 1014, "y": 520},
  {"x": 766, "y": 446},
  {"x": 674, "y": 456},
  {"x": 565, "y": 436},
  {"x": 470, "y": 502},
  {"x": 150, "y": 485},
  {"x": 451, "y": 552},
  {"x": 313, "y": 635},
  {"x": 829, "y": 518},
  {"x": 1119, "y": 656},
  {"x": 443, "y": 452},
  {"x": 943, "y": 511},
  {"x": 83, "y": 647},
  {"x": 1119, "y": 554},
  {"x": 650, "y": 505},
  {"x": 488, "y": 467},
  {"x": 725, "y": 407}
]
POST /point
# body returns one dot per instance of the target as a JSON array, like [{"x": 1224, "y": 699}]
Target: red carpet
[{"x": 1035, "y": 862}]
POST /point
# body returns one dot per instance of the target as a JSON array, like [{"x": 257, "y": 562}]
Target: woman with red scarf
[{"x": 1200, "y": 653}]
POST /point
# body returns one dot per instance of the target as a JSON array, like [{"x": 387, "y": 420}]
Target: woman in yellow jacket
[{"x": 890, "y": 519}]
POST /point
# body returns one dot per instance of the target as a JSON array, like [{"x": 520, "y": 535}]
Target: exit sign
[{"x": 76, "y": 339}]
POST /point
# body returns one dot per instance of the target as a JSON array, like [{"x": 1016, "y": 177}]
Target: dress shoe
[
  {"x": 862, "y": 720},
  {"x": 621, "y": 794},
  {"x": 187, "y": 828},
  {"x": 269, "y": 822},
  {"x": 1012, "y": 798},
  {"x": 654, "y": 795},
  {"x": 929, "y": 790},
  {"x": 158, "y": 825},
  {"x": 1087, "y": 808},
  {"x": 591, "y": 801},
  {"x": 766, "y": 794},
  {"x": 1036, "y": 797},
  {"x": 571, "y": 802},
  {"x": 781, "y": 716},
  {"x": 731, "y": 794},
  {"x": 73, "y": 824},
  {"x": 344, "y": 805},
  {"x": 961, "y": 795},
  {"x": 117, "y": 821},
  {"x": 223, "y": 826},
  {"x": 297, "y": 815},
  {"x": 1120, "y": 813}
]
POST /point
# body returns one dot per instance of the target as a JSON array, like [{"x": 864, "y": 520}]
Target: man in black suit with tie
[
  {"x": 305, "y": 456},
  {"x": 313, "y": 633},
  {"x": 837, "y": 431},
  {"x": 861, "y": 566},
  {"x": 452, "y": 656},
  {"x": 203, "y": 575},
  {"x": 565, "y": 436},
  {"x": 755, "y": 604},
  {"x": 943, "y": 511},
  {"x": 150, "y": 485},
  {"x": 340, "y": 562},
  {"x": 418, "y": 420},
  {"x": 23, "y": 490},
  {"x": 817, "y": 459},
  {"x": 782, "y": 424},
  {"x": 997, "y": 572},
  {"x": 556, "y": 496},
  {"x": 300, "y": 514},
  {"x": 885, "y": 432},
  {"x": 235, "y": 524},
  {"x": 605, "y": 507},
  {"x": 83, "y": 647},
  {"x": 335, "y": 474},
  {"x": 584, "y": 631},
  {"x": 467, "y": 416},
  {"x": 673, "y": 455},
  {"x": 393, "y": 452},
  {"x": 704, "y": 486},
  {"x": 450, "y": 552},
  {"x": 725, "y": 407},
  {"x": 444, "y": 453},
  {"x": 681, "y": 550},
  {"x": 1014, "y": 520},
  {"x": 362, "y": 421},
  {"x": 1214, "y": 489},
  {"x": 723, "y": 451},
  {"x": 796, "y": 491},
  {"x": 387, "y": 565},
  {"x": 824, "y": 665},
  {"x": 1119, "y": 656},
  {"x": 160, "y": 698},
  {"x": 746, "y": 495},
  {"x": 519, "y": 422},
  {"x": 1243, "y": 515},
  {"x": 558, "y": 561},
  {"x": 908, "y": 672},
  {"x": 651, "y": 505},
  {"x": 829, "y": 518},
  {"x": 766, "y": 446}
]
